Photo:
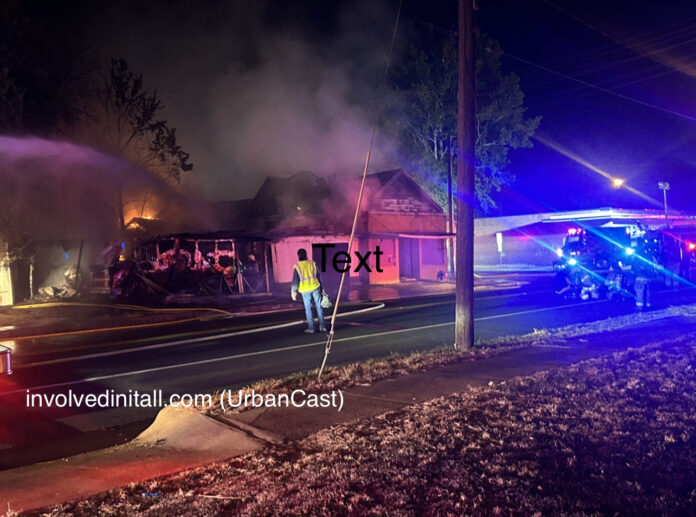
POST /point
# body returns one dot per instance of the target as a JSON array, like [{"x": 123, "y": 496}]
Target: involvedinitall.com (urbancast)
[{"x": 228, "y": 399}]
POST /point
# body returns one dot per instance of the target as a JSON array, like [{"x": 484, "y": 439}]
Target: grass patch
[
  {"x": 396, "y": 364},
  {"x": 610, "y": 435}
]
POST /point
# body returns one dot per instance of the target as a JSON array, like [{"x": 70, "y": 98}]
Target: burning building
[
  {"x": 256, "y": 247},
  {"x": 396, "y": 214}
]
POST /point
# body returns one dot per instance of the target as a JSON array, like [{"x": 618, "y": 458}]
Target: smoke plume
[{"x": 55, "y": 191}]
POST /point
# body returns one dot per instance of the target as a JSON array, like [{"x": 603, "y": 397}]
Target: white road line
[
  {"x": 187, "y": 341},
  {"x": 214, "y": 337},
  {"x": 531, "y": 311},
  {"x": 283, "y": 325},
  {"x": 217, "y": 359},
  {"x": 274, "y": 350},
  {"x": 497, "y": 296}
]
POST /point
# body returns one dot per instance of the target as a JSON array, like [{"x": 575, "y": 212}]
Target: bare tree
[{"x": 124, "y": 121}]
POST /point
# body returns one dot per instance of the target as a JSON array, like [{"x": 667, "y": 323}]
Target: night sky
[{"x": 262, "y": 87}]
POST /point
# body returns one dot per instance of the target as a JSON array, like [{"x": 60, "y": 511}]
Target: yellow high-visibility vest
[{"x": 307, "y": 271}]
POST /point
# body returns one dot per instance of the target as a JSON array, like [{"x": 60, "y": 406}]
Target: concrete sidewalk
[{"x": 76, "y": 477}]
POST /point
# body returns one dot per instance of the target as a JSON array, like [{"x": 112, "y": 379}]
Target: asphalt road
[{"x": 207, "y": 355}]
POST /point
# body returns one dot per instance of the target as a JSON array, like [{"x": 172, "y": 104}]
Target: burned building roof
[
  {"x": 284, "y": 203},
  {"x": 228, "y": 214},
  {"x": 308, "y": 202},
  {"x": 396, "y": 190}
]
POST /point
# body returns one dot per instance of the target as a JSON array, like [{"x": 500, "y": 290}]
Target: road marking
[
  {"x": 496, "y": 296},
  {"x": 217, "y": 359},
  {"x": 214, "y": 337},
  {"x": 275, "y": 327},
  {"x": 531, "y": 311},
  {"x": 187, "y": 341},
  {"x": 274, "y": 350},
  {"x": 373, "y": 325},
  {"x": 283, "y": 349},
  {"x": 213, "y": 331}
]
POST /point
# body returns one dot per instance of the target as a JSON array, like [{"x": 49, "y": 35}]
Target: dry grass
[
  {"x": 613, "y": 435},
  {"x": 372, "y": 370}
]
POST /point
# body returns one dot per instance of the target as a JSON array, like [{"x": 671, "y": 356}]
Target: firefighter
[
  {"x": 670, "y": 256},
  {"x": 614, "y": 282},
  {"x": 643, "y": 271},
  {"x": 688, "y": 252},
  {"x": 306, "y": 281}
]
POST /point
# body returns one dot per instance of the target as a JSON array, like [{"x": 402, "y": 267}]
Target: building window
[{"x": 433, "y": 251}]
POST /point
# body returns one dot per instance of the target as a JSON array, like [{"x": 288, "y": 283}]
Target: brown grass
[
  {"x": 394, "y": 365},
  {"x": 610, "y": 435}
]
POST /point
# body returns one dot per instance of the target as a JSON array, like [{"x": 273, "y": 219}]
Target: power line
[
  {"x": 600, "y": 88},
  {"x": 584, "y": 59},
  {"x": 598, "y": 67},
  {"x": 626, "y": 43},
  {"x": 539, "y": 84},
  {"x": 595, "y": 55},
  {"x": 620, "y": 77},
  {"x": 563, "y": 98},
  {"x": 578, "y": 19},
  {"x": 648, "y": 55}
]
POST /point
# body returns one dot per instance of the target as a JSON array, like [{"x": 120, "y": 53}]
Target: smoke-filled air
[{"x": 59, "y": 191}]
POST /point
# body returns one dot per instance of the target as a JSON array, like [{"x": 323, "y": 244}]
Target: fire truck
[{"x": 597, "y": 262}]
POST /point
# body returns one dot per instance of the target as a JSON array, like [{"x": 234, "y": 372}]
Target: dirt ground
[{"x": 610, "y": 435}]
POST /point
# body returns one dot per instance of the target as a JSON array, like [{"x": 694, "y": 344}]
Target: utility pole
[
  {"x": 664, "y": 187},
  {"x": 450, "y": 218},
  {"x": 466, "y": 125}
]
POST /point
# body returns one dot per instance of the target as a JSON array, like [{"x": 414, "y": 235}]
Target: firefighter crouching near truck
[{"x": 305, "y": 280}]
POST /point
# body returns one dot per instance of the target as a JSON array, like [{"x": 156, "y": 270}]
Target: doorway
[{"x": 409, "y": 259}]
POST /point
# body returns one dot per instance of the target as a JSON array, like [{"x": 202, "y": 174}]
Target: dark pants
[{"x": 642, "y": 287}]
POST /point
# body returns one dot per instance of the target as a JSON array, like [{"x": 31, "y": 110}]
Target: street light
[
  {"x": 617, "y": 182},
  {"x": 664, "y": 187}
]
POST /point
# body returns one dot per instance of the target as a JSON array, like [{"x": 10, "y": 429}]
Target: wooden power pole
[{"x": 466, "y": 125}]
